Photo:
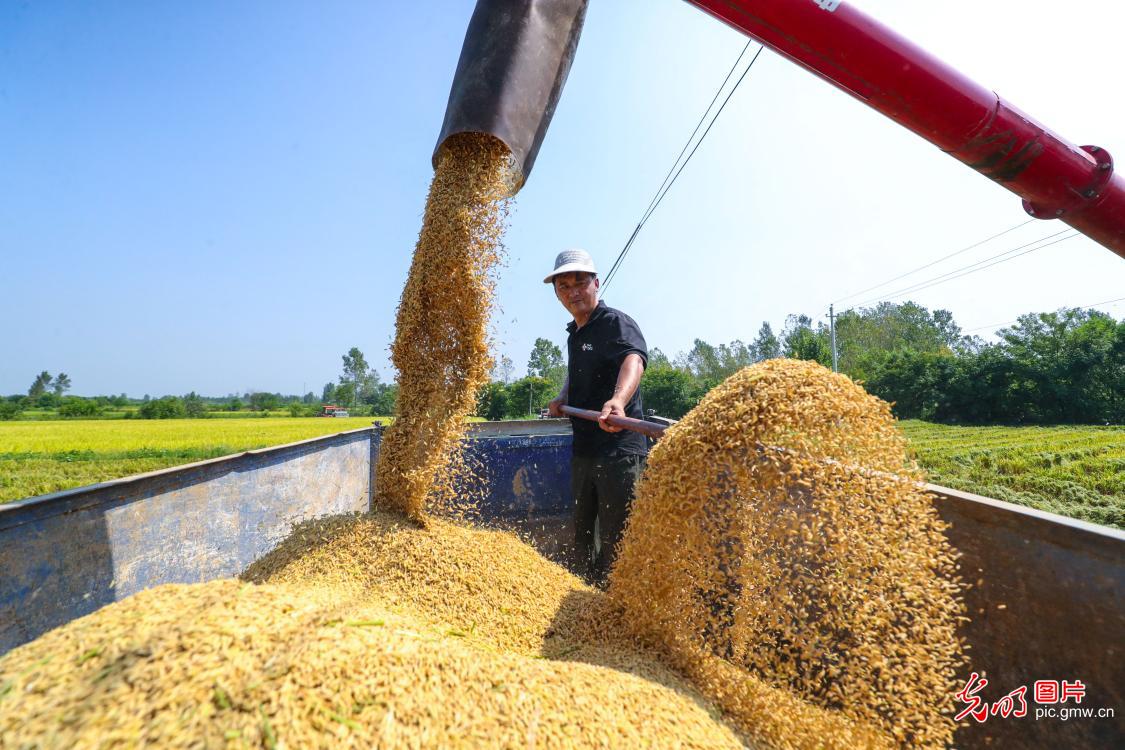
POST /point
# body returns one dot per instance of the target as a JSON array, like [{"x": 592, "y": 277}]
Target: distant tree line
[
  {"x": 1048, "y": 368},
  {"x": 504, "y": 398},
  {"x": 359, "y": 389}
]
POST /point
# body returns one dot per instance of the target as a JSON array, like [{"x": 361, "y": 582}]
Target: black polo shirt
[{"x": 595, "y": 353}]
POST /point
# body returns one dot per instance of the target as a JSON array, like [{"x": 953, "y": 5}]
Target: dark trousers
[{"x": 603, "y": 491}]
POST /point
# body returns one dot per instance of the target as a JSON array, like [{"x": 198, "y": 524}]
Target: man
[{"x": 606, "y": 356}]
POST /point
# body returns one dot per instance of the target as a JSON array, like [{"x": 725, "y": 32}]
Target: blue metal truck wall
[
  {"x": 1047, "y": 596},
  {"x": 66, "y": 554}
]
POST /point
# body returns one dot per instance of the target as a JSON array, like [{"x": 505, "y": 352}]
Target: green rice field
[{"x": 1074, "y": 471}]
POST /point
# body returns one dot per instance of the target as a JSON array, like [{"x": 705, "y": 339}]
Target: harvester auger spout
[
  {"x": 514, "y": 62},
  {"x": 517, "y": 54}
]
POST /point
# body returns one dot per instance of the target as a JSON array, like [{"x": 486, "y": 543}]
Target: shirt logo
[{"x": 587, "y": 347}]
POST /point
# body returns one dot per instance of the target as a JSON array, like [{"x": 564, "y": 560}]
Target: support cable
[
  {"x": 665, "y": 186},
  {"x": 975, "y": 267},
  {"x": 1064, "y": 307}
]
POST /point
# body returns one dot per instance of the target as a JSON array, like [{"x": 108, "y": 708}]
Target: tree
[
  {"x": 369, "y": 386},
  {"x": 235, "y": 404},
  {"x": 264, "y": 402},
  {"x": 657, "y": 358},
  {"x": 75, "y": 407},
  {"x": 194, "y": 408},
  {"x": 669, "y": 391},
  {"x": 355, "y": 372},
  {"x": 546, "y": 361},
  {"x": 916, "y": 383},
  {"x": 802, "y": 342},
  {"x": 713, "y": 364},
  {"x": 384, "y": 399},
  {"x": 867, "y": 336},
  {"x": 1070, "y": 365},
  {"x": 328, "y": 395},
  {"x": 10, "y": 409},
  {"x": 492, "y": 401},
  {"x": 947, "y": 329},
  {"x": 766, "y": 346},
  {"x": 502, "y": 370},
  {"x": 345, "y": 394},
  {"x": 531, "y": 394},
  {"x": 702, "y": 361},
  {"x": 168, "y": 407},
  {"x": 39, "y": 386},
  {"x": 61, "y": 384}
]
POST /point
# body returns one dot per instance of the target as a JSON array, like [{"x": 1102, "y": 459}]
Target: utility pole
[{"x": 832, "y": 328}]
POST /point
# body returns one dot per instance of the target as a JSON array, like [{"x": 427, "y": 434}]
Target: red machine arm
[{"x": 1056, "y": 178}]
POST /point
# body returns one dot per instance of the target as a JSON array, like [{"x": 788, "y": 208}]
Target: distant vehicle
[
  {"x": 330, "y": 410},
  {"x": 544, "y": 413}
]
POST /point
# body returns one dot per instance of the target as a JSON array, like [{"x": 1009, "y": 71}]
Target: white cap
[{"x": 569, "y": 261}]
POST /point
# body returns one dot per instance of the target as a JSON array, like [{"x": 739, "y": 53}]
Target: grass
[
  {"x": 1074, "y": 471},
  {"x": 37, "y": 457}
]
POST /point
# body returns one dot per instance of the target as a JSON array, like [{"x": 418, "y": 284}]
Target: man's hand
[
  {"x": 613, "y": 407},
  {"x": 553, "y": 407}
]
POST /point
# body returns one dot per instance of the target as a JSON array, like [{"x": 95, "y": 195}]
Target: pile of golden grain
[
  {"x": 369, "y": 631},
  {"x": 780, "y": 532},
  {"x": 441, "y": 333}
]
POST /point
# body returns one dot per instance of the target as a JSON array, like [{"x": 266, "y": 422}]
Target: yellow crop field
[
  {"x": 1078, "y": 471},
  {"x": 37, "y": 457}
]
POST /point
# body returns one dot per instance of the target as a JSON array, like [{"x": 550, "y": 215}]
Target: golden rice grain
[
  {"x": 367, "y": 632},
  {"x": 441, "y": 331},
  {"x": 780, "y": 533}
]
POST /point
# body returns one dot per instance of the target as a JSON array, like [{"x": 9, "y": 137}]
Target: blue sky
[{"x": 224, "y": 197}]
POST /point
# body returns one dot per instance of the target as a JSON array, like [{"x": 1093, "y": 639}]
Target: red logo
[{"x": 1014, "y": 704}]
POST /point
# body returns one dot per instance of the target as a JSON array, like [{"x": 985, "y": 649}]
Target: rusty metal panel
[
  {"x": 1047, "y": 603},
  {"x": 67, "y": 554}
]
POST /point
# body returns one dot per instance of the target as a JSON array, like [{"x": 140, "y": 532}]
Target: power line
[
  {"x": 665, "y": 186},
  {"x": 1065, "y": 307},
  {"x": 698, "y": 125},
  {"x": 663, "y": 191},
  {"x": 935, "y": 262},
  {"x": 973, "y": 270},
  {"x": 973, "y": 267}
]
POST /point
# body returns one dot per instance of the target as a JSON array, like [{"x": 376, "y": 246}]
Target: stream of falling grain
[{"x": 441, "y": 334}]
